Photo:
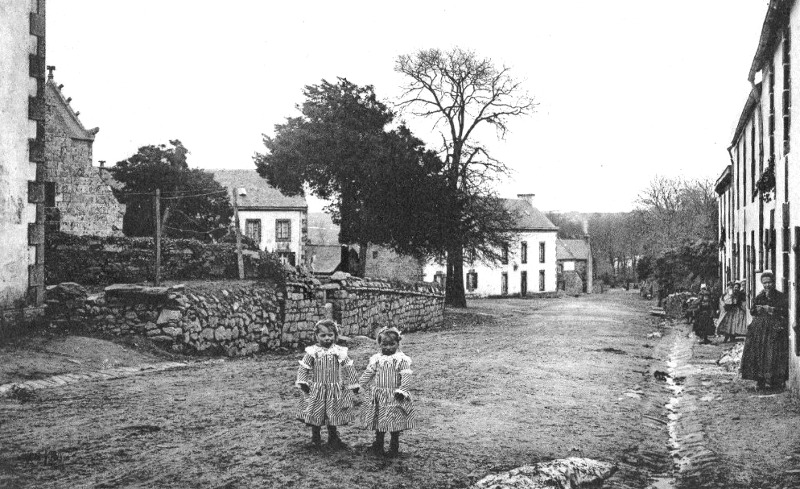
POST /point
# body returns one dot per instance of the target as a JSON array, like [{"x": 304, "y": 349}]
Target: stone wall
[
  {"x": 83, "y": 202},
  {"x": 244, "y": 317},
  {"x": 91, "y": 260}
]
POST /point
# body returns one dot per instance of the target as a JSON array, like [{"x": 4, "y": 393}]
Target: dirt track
[{"x": 508, "y": 383}]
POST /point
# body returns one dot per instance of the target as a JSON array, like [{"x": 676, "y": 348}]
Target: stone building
[
  {"x": 277, "y": 222},
  {"x": 325, "y": 254},
  {"x": 22, "y": 157},
  {"x": 78, "y": 200},
  {"x": 573, "y": 257},
  {"x": 529, "y": 264},
  {"x": 756, "y": 193}
]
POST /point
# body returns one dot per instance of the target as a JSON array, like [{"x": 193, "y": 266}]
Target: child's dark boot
[
  {"x": 333, "y": 438},
  {"x": 316, "y": 438},
  {"x": 377, "y": 445},
  {"x": 394, "y": 444}
]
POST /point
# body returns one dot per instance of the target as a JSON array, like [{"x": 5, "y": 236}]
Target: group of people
[
  {"x": 329, "y": 382},
  {"x": 765, "y": 358}
]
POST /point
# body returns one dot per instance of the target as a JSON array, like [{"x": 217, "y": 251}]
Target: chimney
[
  {"x": 528, "y": 197},
  {"x": 102, "y": 163},
  {"x": 586, "y": 227}
]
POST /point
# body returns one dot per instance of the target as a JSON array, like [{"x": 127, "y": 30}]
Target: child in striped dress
[
  {"x": 390, "y": 407},
  {"x": 326, "y": 376}
]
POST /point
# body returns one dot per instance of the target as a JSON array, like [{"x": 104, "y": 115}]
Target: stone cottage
[
  {"x": 529, "y": 260},
  {"x": 573, "y": 258},
  {"x": 325, "y": 254},
  {"x": 78, "y": 200},
  {"x": 22, "y": 157},
  {"x": 277, "y": 222}
]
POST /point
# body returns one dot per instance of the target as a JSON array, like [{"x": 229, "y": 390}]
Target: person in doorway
[
  {"x": 765, "y": 358},
  {"x": 705, "y": 312},
  {"x": 734, "y": 321}
]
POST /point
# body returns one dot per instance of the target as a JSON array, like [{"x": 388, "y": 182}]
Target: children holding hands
[{"x": 328, "y": 379}]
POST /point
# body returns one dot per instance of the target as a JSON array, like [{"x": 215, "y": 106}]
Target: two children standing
[{"x": 329, "y": 381}]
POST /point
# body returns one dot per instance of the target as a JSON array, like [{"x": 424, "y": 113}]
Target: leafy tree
[
  {"x": 463, "y": 93},
  {"x": 194, "y": 205},
  {"x": 385, "y": 187}
]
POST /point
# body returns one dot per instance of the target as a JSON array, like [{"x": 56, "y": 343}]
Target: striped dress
[
  {"x": 391, "y": 373},
  {"x": 330, "y": 375}
]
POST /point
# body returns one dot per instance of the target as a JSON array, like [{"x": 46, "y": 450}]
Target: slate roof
[
  {"x": 572, "y": 249},
  {"x": 529, "y": 218},
  {"x": 326, "y": 257},
  {"x": 260, "y": 194}
]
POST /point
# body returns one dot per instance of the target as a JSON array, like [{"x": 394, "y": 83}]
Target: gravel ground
[
  {"x": 506, "y": 383},
  {"x": 755, "y": 435}
]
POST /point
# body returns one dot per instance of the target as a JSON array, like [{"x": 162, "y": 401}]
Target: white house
[
  {"x": 276, "y": 222},
  {"x": 529, "y": 264}
]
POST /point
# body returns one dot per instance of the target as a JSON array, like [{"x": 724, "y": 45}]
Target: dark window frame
[{"x": 279, "y": 235}]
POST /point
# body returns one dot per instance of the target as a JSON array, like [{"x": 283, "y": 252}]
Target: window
[
  {"x": 252, "y": 229},
  {"x": 523, "y": 252},
  {"x": 504, "y": 283},
  {"x": 541, "y": 280},
  {"x": 541, "y": 251},
  {"x": 375, "y": 254},
  {"x": 504, "y": 258},
  {"x": 771, "y": 118},
  {"x": 744, "y": 169},
  {"x": 283, "y": 230},
  {"x": 472, "y": 280},
  {"x": 753, "y": 177},
  {"x": 523, "y": 283},
  {"x": 787, "y": 89}
]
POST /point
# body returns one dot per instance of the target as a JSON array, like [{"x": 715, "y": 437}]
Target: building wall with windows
[
  {"x": 759, "y": 196},
  {"x": 265, "y": 214},
  {"x": 530, "y": 266},
  {"x": 270, "y": 239},
  {"x": 22, "y": 115}
]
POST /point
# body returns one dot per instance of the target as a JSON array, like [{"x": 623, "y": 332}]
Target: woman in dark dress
[
  {"x": 766, "y": 349},
  {"x": 704, "y": 315}
]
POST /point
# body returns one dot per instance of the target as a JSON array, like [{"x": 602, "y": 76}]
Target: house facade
[
  {"x": 22, "y": 158},
  {"x": 77, "y": 198},
  {"x": 276, "y": 222},
  {"x": 529, "y": 259},
  {"x": 758, "y": 195}
]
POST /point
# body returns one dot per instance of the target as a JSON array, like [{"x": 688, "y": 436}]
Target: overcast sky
[{"x": 626, "y": 89}]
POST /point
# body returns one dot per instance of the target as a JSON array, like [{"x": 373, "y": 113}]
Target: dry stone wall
[
  {"x": 93, "y": 260},
  {"x": 246, "y": 317}
]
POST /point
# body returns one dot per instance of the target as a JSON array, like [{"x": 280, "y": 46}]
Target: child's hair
[
  {"x": 328, "y": 324},
  {"x": 393, "y": 332}
]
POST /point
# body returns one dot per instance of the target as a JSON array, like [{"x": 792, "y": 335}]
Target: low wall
[
  {"x": 93, "y": 260},
  {"x": 245, "y": 317}
]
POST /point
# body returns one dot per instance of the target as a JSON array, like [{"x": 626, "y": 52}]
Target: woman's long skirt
[
  {"x": 766, "y": 351},
  {"x": 734, "y": 322}
]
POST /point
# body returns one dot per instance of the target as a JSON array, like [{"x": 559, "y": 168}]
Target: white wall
[
  {"x": 268, "y": 218},
  {"x": 490, "y": 276},
  {"x": 16, "y": 44}
]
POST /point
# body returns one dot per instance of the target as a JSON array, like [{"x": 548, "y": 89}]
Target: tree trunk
[
  {"x": 454, "y": 288},
  {"x": 362, "y": 260}
]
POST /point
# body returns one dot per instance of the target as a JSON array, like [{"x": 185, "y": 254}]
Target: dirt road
[{"x": 507, "y": 383}]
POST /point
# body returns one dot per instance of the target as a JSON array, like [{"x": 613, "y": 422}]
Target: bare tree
[{"x": 462, "y": 92}]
